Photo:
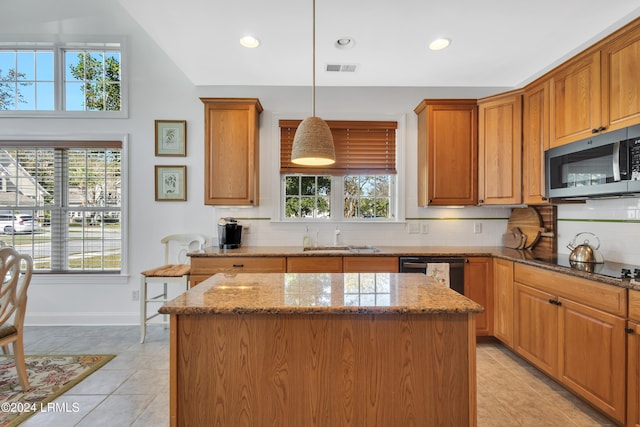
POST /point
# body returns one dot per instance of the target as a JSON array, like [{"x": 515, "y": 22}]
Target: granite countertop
[
  {"x": 523, "y": 256},
  {"x": 314, "y": 293}
]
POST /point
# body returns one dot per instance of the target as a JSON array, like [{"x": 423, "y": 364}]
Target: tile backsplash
[{"x": 615, "y": 222}]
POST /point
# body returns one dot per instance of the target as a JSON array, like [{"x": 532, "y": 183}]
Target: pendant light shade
[{"x": 313, "y": 142}]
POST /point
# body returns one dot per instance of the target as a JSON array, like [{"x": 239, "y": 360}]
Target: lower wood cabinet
[
  {"x": 633, "y": 360},
  {"x": 580, "y": 346},
  {"x": 503, "y": 300},
  {"x": 204, "y": 267},
  {"x": 314, "y": 264},
  {"x": 370, "y": 264},
  {"x": 477, "y": 287}
]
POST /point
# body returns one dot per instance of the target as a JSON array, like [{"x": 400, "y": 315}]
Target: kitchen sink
[{"x": 362, "y": 249}]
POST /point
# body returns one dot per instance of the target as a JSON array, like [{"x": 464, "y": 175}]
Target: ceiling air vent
[{"x": 341, "y": 68}]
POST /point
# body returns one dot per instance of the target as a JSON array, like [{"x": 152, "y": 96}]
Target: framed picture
[
  {"x": 171, "y": 183},
  {"x": 171, "y": 138}
]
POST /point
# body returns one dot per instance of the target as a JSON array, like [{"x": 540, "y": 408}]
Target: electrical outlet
[
  {"x": 414, "y": 228},
  {"x": 424, "y": 228},
  {"x": 477, "y": 227},
  {"x": 135, "y": 295}
]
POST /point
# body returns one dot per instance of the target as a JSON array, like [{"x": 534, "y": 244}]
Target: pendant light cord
[{"x": 313, "y": 62}]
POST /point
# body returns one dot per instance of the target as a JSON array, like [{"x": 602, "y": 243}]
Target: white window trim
[
  {"x": 124, "y": 218},
  {"x": 59, "y": 45},
  {"x": 278, "y": 183}
]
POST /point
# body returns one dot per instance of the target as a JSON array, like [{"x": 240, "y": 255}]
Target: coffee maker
[{"x": 229, "y": 233}]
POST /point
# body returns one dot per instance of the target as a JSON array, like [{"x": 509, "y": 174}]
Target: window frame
[
  {"x": 98, "y": 277},
  {"x": 398, "y": 190},
  {"x": 59, "y": 48}
]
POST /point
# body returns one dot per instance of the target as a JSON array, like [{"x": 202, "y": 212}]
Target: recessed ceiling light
[
  {"x": 439, "y": 44},
  {"x": 345, "y": 43},
  {"x": 249, "y": 41}
]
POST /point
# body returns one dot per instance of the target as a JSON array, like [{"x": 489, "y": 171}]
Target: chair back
[
  {"x": 15, "y": 273},
  {"x": 176, "y": 247}
]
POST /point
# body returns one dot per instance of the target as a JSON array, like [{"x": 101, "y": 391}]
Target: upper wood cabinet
[
  {"x": 620, "y": 82},
  {"x": 575, "y": 106},
  {"x": 500, "y": 149},
  {"x": 231, "y": 151},
  {"x": 447, "y": 152},
  {"x": 535, "y": 141}
]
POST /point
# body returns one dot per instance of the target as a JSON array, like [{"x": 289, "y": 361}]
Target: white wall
[{"x": 158, "y": 90}]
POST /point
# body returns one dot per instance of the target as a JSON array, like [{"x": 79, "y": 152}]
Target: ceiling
[{"x": 501, "y": 43}]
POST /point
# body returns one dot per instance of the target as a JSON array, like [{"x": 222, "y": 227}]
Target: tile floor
[{"x": 132, "y": 389}]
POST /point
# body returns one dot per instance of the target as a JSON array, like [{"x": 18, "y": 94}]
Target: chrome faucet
[{"x": 336, "y": 237}]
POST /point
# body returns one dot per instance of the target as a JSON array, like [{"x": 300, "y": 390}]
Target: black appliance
[
  {"x": 419, "y": 265},
  {"x": 604, "y": 165},
  {"x": 229, "y": 233}
]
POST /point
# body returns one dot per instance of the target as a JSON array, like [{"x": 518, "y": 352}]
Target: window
[
  {"x": 61, "y": 203},
  {"x": 90, "y": 79},
  {"x": 359, "y": 186}
]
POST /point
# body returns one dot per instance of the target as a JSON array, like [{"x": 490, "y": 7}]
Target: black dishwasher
[{"x": 410, "y": 264}]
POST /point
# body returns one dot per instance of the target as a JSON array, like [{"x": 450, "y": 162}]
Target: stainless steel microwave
[{"x": 604, "y": 165}]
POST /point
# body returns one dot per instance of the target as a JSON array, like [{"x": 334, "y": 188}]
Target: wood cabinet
[
  {"x": 633, "y": 360},
  {"x": 314, "y": 264},
  {"x": 575, "y": 105},
  {"x": 536, "y": 328},
  {"x": 574, "y": 330},
  {"x": 447, "y": 152},
  {"x": 231, "y": 151},
  {"x": 503, "y": 300},
  {"x": 500, "y": 149},
  {"x": 204, "y": 267},
  {"x": 535, "y": 140},
  {"x": 372, "y": 264},
  {"x": 620, "y": 83},
  {"x": 478, "y": 287}
]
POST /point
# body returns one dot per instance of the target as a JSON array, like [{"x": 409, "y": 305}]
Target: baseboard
[{"x": 81, "y": 319}]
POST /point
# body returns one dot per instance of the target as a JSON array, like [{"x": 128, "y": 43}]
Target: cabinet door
[
  {"x": 503, "y": 300},
  {"x": 535, "y": 141},
  {"x": 633, "y": 375},
  {"x": 314, "y": 264},
  {"x": 478, "y": 287},
  {"x": 536, "y": 327},
  {"x": 575, "y": 105},
  {"x": 500, "y": 150},
  {"x": 592, "y": 356},
  {"x": 620, "y": 83},
  {"x": 231, "y": 151},
  {"x": 370, "y": 264},
  {"x": 447, "y": 152}
]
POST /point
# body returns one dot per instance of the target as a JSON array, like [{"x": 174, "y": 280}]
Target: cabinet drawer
[
  {"x": 370, "y": 264},
  {"x": 634, "y": 304},
  {"x": 213, "y": 265},
  {"x": 597, "y": 295},
  {"x": 314, "y": 264}
]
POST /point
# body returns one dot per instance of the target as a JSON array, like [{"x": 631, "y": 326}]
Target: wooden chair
[
  {"x": 176, "y": 269},
  {"x": 15, "y": 273}
]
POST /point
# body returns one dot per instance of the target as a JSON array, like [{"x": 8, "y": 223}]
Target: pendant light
[{"x": 313, "y": 142}]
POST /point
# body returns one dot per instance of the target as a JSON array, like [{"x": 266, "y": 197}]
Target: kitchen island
[{"x": 322, "y": 349}]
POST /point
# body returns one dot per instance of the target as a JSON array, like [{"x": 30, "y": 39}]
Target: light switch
[
  {"x": 414, "y": 228},
  {"x": 477, "y": 227}
]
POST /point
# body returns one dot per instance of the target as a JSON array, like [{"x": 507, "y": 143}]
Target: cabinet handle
[
  {"x": 480, "y": 201},
  {"x": 238, "y": 265},
  {"x": 629, "y": 330},
  {"x": 600, "y": 129},
  {"x": 551, "y": 301},
  {"x": 554, "y": 302}
]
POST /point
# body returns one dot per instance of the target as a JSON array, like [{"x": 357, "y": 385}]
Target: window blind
[{"x": 362, "y": 148}]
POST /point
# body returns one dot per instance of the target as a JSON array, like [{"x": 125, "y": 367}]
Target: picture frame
[
  {"x": 171, "y": 138},
  {"x": 171, "y": 183}
]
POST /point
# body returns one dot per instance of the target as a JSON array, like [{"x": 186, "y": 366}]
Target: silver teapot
[{"x": 584, "y": 252}]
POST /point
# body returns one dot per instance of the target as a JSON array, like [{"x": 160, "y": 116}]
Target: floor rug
[{"x": 49, "y": 377}]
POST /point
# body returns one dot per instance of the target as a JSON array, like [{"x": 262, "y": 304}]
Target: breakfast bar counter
[{"x": 324, "y": 349}]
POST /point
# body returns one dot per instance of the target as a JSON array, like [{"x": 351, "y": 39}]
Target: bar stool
[{"x": 176, "y": 269}]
